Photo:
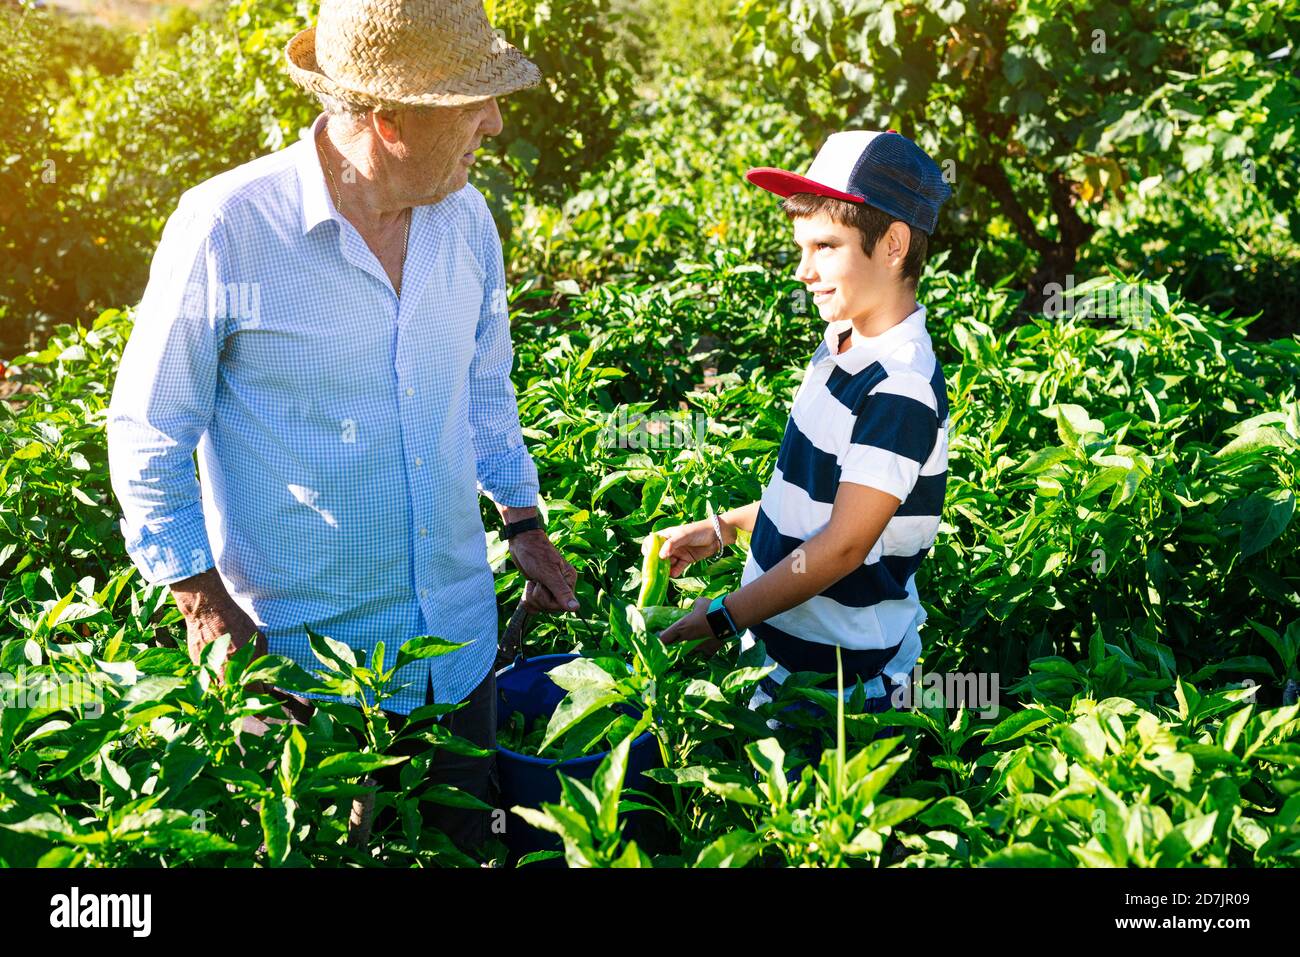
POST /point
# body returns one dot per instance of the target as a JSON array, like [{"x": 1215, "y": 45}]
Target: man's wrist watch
[
  {"x": 720, "y": 621},
  {"x": 523, "y": 525}
]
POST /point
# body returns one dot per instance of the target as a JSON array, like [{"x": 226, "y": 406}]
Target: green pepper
[{"x": 654, "y": 573}]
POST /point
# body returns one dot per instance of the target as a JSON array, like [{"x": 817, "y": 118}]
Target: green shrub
[
  {"x": 1040, "y": 113},
  {"x": 555, "y": 132}
]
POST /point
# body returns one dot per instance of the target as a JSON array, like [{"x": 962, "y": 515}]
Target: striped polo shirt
[{"x": 877, "y": 415}]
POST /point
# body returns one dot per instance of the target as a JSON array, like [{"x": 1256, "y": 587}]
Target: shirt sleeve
[
  {"x": 163, "y": 400},
  {"x": 894, "y": 433},
  {"x": 506, "y": 471}
]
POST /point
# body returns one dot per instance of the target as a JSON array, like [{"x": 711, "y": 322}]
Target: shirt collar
[
  {"x": 317, "y": 206},
  {"x": 864, "y": 350}
]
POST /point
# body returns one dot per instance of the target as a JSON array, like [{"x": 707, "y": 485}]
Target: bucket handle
[{"x": 511, "y": 647}]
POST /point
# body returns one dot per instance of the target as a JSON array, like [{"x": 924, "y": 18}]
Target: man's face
[
  {"x": 844, "y": 282},
  {"x": 437, "y": 145}
]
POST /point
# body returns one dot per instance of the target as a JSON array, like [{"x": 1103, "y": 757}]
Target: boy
[{"x": 854, "y": 503}]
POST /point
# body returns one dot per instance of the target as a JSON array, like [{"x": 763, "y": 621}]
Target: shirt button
[
  {"x": 424, "y": 593},
  {"x": 410, "y": 391},
  {"x": 419, "y": 461},
  {"x": 424, "y": 531}
]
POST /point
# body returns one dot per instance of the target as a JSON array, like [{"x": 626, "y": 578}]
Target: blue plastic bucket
[{"x": 531, "y": 781}]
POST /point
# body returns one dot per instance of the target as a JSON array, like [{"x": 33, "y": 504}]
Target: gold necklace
[{"x": 338, "y": 204}]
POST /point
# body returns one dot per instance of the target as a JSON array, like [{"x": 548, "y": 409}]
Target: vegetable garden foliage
[
  {"x": 1118, "y": 543},
  {"x": 1165, "y": 443}
]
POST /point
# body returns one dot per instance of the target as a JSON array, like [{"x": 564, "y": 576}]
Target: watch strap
[{"x": 523, "y": 525}]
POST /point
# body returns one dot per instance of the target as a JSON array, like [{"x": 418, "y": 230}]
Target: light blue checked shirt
[{"x": 343, "y": 434}]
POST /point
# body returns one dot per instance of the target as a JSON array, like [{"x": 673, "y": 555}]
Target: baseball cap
[{"x": 887, "y": 170}]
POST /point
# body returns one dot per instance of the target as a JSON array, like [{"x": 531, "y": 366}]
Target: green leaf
[
  {"x": 865, "y": 787},
  {"x": 576, "y": 706},
  {"x": 1208, "y": 756},
  {"x": 353, "y": 764},
  {"x": 1288, "y": 754},
  {"x": 279, "y": 672},
  {"x": 581, "y": 673},
  {"x": 425, "y": 712},
  {"x": 1284, "y": 645},
  {"x": 1185, "y": 840},
  {"x": 442, "y": 737},
  {"x": 535, "y": 856},
  {"x": 539, "y": 819},
  {"x": 216, "y": 655},
  {"x": 1264, "y": 518},
  {"x": 1022, "y": 855},
  {"x": 608, "y": 783},
  {"x": 1044, "y": 459},
  {"x": 656, "y": 618},
  {"x": 1188, "y": 699},
  {"x": 1091, "y": 857},
  {"x": 1018, "y": 725},
  {"x": 577, "y": 797},
  {"x": 733, "y": 786},
  {"x": 449, "y": 796},
  {"x": 743, "y": 677},
  {"x": 277, "y": 828},
  {"x": 1232, "y": 726},
  {"x": 1084, "y": 739},
  {"x": 607, "y": 483},
  {"x": 950, "y": 811},
  {"x": 1073, "y": 422},
  {"x": 768, "y": 757},
  {"x": 179, "y": 766},
  {"x": 631, "y": 857},
  {"x": 733, "y": 849},
  {"x": 1103, "y": 480},
  {"x": 292, "y": 759},
  {"x": 91, "y": 736},
  {"x": 889, "y": 813},
  {"x": 425, "y": 646},
  {"x": 1258, "y": 438},
  {"x": 334, "y": 655}
]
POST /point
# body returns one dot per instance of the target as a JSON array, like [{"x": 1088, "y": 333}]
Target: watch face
[{"x": 719, "y": 622}]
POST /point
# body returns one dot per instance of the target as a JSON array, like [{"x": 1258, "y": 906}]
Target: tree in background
[
  {"x": 567, "y": 125},
  {"x": 51, "y": 243},
  {"x": 1044, "y": 111},
  {"x": 202, "y": 93}
]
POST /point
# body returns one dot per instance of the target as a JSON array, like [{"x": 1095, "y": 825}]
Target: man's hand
[
  {"x": 209, "y": 613},
  {"x": 550, "y": 578}
]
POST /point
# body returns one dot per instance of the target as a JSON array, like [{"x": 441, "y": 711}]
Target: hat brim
[
  {"x": 508, "y": 69},
  {"x": 785, "y": 183}
]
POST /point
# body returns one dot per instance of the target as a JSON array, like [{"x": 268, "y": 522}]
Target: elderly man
[{"x": 327, "y": 326}]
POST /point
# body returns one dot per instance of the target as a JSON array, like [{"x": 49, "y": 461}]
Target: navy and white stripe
[{"x": 875, "y": 415}]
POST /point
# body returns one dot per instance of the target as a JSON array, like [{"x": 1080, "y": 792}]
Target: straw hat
[{"x": 395, "y": 53}]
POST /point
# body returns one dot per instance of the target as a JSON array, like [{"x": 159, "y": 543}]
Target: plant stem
[{"x": 839, "y": 726}]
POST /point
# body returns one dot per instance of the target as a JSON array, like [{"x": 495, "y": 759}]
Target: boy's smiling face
[{"x": 844, "y": 281}]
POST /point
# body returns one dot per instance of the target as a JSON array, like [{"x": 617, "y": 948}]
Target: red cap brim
[{"x": 784, "y": 183}]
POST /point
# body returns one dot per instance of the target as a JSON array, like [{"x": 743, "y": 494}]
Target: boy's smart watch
[{"x": 720, "y": 621}]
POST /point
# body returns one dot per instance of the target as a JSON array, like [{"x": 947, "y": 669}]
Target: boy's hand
[
  {"x": 689, "y": 543},
  {"x": 696, "y": 624}
]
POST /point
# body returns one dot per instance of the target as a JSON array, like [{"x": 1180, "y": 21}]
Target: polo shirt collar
[
  {"x": 317, "y": 206},
  {"x": 864, "y": 350}
]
